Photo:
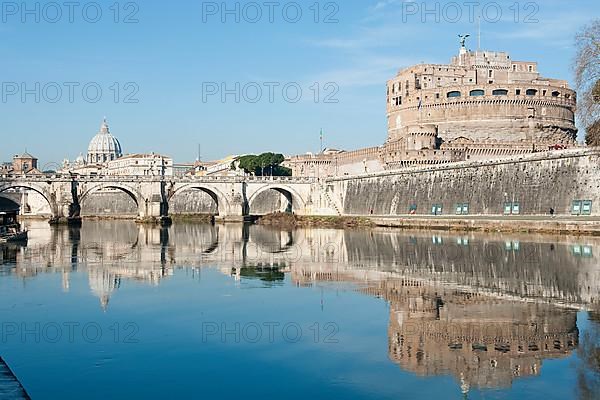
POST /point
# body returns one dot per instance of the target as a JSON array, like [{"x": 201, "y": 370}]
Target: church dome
[{"x": 104, "y": 146}]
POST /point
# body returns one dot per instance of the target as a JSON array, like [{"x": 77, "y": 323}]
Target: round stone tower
[{"x": 484, "y": 100}]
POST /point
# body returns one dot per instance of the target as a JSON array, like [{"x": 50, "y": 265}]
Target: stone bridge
[{"x": 233, "y": 196}]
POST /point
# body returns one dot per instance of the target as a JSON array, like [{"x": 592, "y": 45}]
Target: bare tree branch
[{"x": 587, "y": 79}]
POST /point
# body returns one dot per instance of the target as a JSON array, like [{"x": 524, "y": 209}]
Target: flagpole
[
  {"x": 321, "y": 149},
  {"x": 479, "y": 33}
]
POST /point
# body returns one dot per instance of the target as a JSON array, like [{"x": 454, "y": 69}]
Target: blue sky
[{"x": 174, "y": 54}]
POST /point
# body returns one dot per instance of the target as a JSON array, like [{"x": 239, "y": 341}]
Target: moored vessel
[{"x": 10, "y": 228}]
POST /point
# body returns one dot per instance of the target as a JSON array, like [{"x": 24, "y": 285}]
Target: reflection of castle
[
  {"x": 483, "y": 342},
  {"x": 480, "y": 106},
  {"x": 480, "y": 339}
]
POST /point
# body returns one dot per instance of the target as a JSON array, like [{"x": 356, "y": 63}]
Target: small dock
[{"x": 10, "y": 387}]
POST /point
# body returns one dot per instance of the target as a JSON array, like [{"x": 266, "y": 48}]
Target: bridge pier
[
  {"x": 234, "y": 209},
  {"x": 153, "y": 206},
  {"x": 64, "y": 203}
]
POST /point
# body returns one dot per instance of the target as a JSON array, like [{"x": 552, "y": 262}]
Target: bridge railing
[{"x": 142, "y": 178}]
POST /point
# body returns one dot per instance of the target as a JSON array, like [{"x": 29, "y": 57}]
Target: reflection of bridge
[
  {"x": 233, "y": 196},
  {"x": 485, "y": 317},
  {"x": 541, "y": 269}
]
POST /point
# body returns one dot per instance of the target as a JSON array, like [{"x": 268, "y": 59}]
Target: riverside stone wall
[{"x": 536, "y": 183}]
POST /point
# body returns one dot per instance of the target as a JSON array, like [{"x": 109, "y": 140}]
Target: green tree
[
  {"x": 248, "y": 163},
  {"x": 267, "y": 164}
]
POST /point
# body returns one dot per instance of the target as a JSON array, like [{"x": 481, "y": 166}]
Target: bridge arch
[
  {"x": 294, "y": 199},
  {"x": 132, "y": 192},
  {"x": 218, "y": 197},
  {"x": 48, "y": 196}
]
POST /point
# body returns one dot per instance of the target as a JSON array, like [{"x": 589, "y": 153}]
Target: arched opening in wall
[
  {"x": 109, "y": 202},
  {"x": 31, "y": 202},
  {"x": 477, "y": 92},
  {"x": 500, "y": 92},
  {"x": 195, "y": 201},
  {"x": 531, "y": 92},
  {"x": 453, "y": 94},
  {"x": 271, "y": 200},
  {"x": 556, "y": 93}
]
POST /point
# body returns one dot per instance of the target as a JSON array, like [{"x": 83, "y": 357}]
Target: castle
[{"x": 482, "y": 105}]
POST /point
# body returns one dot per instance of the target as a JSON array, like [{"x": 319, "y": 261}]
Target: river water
[{"x": 119, "y": 310}]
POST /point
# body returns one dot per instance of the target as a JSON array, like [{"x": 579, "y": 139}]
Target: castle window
[
  {"x": 500, "y": 92},
  {"x": 518, "y": 92},
  {"x": 556, "y": 94},
  {"x": 531, "y": 68},
  {"x": 454, "y": 93},
  {"x": 531, "y": 92},
  {"x": 544, "y": 93},
  {"x": 437, "y": 95},
  {"x": 514, "y": 67},
  {"x": 491, "y": 73},
  {"x": 477, "y": 92}
]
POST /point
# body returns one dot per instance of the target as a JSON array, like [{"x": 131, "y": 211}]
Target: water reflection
[
  {"x": 486, "y": 309},
  {"x": 560, "y": 270},
  {"x": 482, "y": 342}
]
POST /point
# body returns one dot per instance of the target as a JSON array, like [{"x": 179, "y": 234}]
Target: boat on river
[{"x": 10, "y": 228}]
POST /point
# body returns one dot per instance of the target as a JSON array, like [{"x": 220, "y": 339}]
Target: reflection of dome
[
  {"x": 104, "y": 146},
  {"x": 103, "y": 284}
]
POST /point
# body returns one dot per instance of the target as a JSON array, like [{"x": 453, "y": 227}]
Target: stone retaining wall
[{"x": 536, "y": 183}]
